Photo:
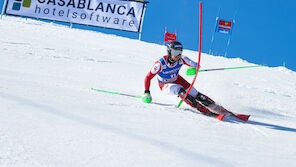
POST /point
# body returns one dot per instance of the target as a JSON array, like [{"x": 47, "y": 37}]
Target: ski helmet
[{"x": 174, "y": 48}]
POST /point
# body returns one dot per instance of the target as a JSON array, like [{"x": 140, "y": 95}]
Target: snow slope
[{"x": 49, "y": 116}]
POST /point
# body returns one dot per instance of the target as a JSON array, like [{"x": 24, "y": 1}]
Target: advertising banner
[{"x": 115, "y": 14}]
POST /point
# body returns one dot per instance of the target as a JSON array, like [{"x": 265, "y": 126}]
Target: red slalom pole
[{"x": 199, "y": 54}]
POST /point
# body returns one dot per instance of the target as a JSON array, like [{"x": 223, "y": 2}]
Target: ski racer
[{"x": 170, "y": 82}]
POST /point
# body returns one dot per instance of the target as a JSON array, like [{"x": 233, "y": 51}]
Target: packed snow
[{"x": 50, "y": 117}]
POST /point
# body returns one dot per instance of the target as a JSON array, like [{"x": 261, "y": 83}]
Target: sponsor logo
[
  {"x": 172, "y": 71},
  {"x": 155, "y": 68},
  {"x": 91, "y": 5},
  {"x": 18, "y": 4},
  {"x": 178, "y": 46}
]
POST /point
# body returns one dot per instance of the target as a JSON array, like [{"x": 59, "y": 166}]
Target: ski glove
[
  {"x": 147, "y": 97},
  {"x": 191, "y": 71}
]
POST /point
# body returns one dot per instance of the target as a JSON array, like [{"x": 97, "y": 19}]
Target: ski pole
[
  {"x": 123, "y": 94},
  {"x": 191, "y": 71}
]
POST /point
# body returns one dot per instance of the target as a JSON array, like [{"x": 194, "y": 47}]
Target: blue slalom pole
[
  {"x": 214, "y": 32},
  {"x": 228, "y": 42},
  {"x": 229, "y": 36}
]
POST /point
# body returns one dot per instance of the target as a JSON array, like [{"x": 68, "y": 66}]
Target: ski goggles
[{"x": 176, "y": 52}]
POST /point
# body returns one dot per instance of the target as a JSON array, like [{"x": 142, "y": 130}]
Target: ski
[
  {"x": 221, "y": 110},
  {"x": 242, "y": 117},
  {"x": 220, "y": 117},
  {"x": 214, "y": 115}
]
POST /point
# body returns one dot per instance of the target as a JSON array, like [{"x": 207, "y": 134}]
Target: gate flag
[
  {"x": 169, "y": 37},
  {"x": 224, "y": 26}
]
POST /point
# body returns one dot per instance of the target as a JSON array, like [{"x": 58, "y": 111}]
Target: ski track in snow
[{"x": 50, "y": 117}]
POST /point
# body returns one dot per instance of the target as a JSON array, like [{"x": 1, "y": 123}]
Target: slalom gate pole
[
  {"x": 214, "y": 33},
  {"x": 199, "y": 54},
  {"x": 123, "y": 94}
]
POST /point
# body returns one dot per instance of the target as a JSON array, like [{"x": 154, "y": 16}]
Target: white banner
[{"x": 115, "y": 14}]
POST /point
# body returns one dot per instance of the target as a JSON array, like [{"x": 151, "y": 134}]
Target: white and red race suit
[{"x": 168, "y": 76}]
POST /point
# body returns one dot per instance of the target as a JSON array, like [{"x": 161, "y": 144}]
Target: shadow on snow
[{"x": 237, "y": 121}]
